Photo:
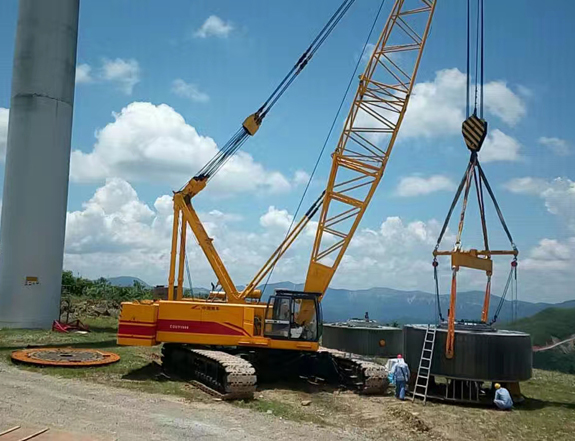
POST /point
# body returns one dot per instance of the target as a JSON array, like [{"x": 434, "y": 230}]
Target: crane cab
[{"x": 293, "y": 315}]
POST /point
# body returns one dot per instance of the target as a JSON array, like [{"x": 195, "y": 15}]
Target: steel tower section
[{"x": 37, "y": 163}]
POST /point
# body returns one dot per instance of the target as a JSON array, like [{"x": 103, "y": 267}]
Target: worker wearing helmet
[
  {"x": 502, "y": 398},
  {"x": 401, "y": 374}
]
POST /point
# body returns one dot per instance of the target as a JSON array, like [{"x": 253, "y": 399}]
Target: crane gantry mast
[{"x": 368, "y": 137}]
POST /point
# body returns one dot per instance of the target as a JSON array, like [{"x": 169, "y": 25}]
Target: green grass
[
  {"x": 285, "y": 409},
  {"x": 549, "y": 410},
  {"x": 277, "y": 408},
  {"x": 137, "y": 368}
]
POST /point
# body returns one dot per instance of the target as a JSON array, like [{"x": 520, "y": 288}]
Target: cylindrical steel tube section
[
  {"x": 380, "y": 341},
  {"x": 504, "y": 356},
  {"x": 37, "y": 163}
]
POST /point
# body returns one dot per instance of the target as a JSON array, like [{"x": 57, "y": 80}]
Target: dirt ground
[
  {"x": 108, "y": 413},
  {"x": 278, "y": 413},
  {"x": 130, "y": 400},
  {"x": 547, "y": 413}
]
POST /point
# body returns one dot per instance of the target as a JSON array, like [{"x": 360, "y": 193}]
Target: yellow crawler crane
[{"x": 221, "y": 342}]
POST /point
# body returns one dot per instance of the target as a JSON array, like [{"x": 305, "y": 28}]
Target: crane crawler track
[
  {"x": 218, "y": 373},
  {"x": 365, "y": 377}
]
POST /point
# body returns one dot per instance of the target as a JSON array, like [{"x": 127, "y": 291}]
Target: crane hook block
[
  {"x": 474, "y": 132},
  {"x": 252, "y": 124}
]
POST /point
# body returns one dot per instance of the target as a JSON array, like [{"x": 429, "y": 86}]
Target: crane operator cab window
[{"x": 293, "y": 316}]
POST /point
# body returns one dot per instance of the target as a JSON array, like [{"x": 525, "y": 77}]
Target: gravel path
[{"x": 108, "y": 413}]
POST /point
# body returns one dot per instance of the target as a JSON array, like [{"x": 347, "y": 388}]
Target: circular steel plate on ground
[{"x": 65, "y": 357}]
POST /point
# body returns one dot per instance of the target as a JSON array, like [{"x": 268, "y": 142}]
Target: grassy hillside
[
  {"x": 543, "y": 327},
  {"x": 551, "y": 322},
  {"x": 555, "y": 360}
]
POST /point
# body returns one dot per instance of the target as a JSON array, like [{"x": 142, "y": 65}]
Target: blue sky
[{"x": 213, "y": 72}]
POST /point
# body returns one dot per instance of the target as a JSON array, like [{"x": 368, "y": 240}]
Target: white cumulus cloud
[
  {"x": 275, "y": 218},
  {"x": 552, "y": 259},
  {"x": 500, "y": 147},
  {"x": 558, "y": 146},
  {"x": 419, "y": 185},
  {"x": 502, "y": 102},
  {"x": 116, "y": 233},
  {"x": 190, "y": 91},
  {"x": 548, "y": 269},
  {"x": 113, "y": 220},
  {"x": 83, "y": 74},
  {"x": 558, "y": 195},
  {"x": 437, "y": 107},
  {"x": 527, "y": 185},
  {"x": 125, "y": 73},
  {"x": 214, "y": 26},
  {"x": 300, "y": 177},
  {"x": 153, "y": 143}
]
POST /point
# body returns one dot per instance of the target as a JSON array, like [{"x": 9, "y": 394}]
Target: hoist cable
[
  {"x": 497, "y": 209},
  {"x": 303, "y": 56},
  {"x": 516, "y": 294},
  {"x": 240, "y": 137},
  {"x": 507, "y": 285},
  {"x": 479, "y": 58},
  {"x": 482, "y": 65},
  {"x": 476, "y": 59},
  {"x": 350, "y": 82},
  {"x": 302, "y": 62},
  {"x": 465, "y": 199},
  {"x": 467, "y": 71},
  {"x": 481, "y": 203},
  {"x": 437, "y": 296},
  {"x": 189, "y": 276},
  {"x": 452, "y": 207}
]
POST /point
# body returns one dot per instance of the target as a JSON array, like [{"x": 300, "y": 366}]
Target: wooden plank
[
  {"x": 9, "y": 430},
  {"x": 34, "y": 435}
]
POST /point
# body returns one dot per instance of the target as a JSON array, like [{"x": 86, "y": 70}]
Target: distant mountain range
[{"x": 390, "y": 305}]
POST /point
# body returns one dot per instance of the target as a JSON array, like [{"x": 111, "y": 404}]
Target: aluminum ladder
[{"x": 424, "y": 371}]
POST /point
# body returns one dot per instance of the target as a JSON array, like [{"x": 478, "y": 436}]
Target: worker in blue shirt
[
  {"x": 502, "y": 398},
  {"x": 401, "y": 375}
]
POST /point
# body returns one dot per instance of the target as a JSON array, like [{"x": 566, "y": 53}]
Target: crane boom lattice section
[{"x": 369, "y": 133}]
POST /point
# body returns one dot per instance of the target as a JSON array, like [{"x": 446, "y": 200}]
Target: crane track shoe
[
  {"x": 218, "y": 373},
  {"x": 366, "y": 377}
]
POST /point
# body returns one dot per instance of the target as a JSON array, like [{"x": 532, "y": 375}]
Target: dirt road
[{"x": 107, "y": 413}]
